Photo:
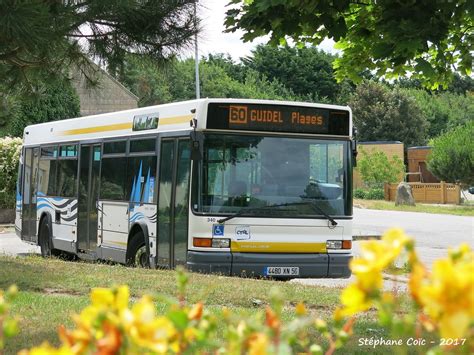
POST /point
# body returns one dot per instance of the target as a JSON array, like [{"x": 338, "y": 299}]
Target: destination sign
[{"x": 277, "y": 118}]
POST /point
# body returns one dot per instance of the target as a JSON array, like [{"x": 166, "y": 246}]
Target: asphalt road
[{"x": 433, "y": 233}]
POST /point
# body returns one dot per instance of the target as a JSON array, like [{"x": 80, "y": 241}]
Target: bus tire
[
  {"x": 44, "y": 239},
  {"x": 137, "y": 254}
]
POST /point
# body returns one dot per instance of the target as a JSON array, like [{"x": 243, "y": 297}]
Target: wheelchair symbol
[{"x": 218, "y": 230}]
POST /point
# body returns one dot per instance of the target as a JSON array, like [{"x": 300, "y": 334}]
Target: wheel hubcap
[{"x": 141, "y": 258}]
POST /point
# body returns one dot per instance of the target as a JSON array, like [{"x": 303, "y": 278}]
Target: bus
[{"x": 229, "y": 186}]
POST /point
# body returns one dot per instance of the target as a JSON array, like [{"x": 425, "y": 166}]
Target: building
[
  {"x": 104, "y": 94},
  {"x": 417, "y": 165}
]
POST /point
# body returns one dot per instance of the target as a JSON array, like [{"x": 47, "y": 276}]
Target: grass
[
  {"x": 390, "y": 206},
  {"x": 51, "y": 290}
]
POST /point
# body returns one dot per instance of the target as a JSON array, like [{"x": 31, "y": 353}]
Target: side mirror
[
  {"x": 354, "y": 146},
  {"x": 196, "y": 143}
]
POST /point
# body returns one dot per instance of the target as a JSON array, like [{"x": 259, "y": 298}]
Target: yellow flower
[
  {"x": 354, "y": 300},
  {"x": 417, "y": 275},
  {"x": 122, "y": 297},
  {"x": 300, "y": 309},
  {"x": 447, "y": 294},
  {"x": 102, "y": 297},
  {"x": 190, "y": 334},
  {"x": 144, "y": 310},
  {"x": 258, "y": 343},
  {"x": 47, "y": 349}
]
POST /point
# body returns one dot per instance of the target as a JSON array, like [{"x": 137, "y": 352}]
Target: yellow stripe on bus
[
  {"x": 123, "y": 126},
  {"x": 272, "y": 247},
  {"x": 106, "y": 128},
  {"x": 175, "y": 120}
]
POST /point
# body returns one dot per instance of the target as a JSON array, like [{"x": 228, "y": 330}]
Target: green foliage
[
  {"x": 376, "y": 169},
  {"x": 387, "y": 115},
  {"x": 424, "y": 37},
  {"x": 9, "y": 156},
  {"x": 369, "y": 194},
  {"x": 306, "y": 71},
  {"x": 43, "y": 36},
  {"x": 175, "y": 82},
  {"x": 444, "y": 110},
  {"x": 452, "y": 157},
  {"x": 55, "y": 101}
]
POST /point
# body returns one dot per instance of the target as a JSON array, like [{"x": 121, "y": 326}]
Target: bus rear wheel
[
  {"x": 138, "y": 255},
  {"x": 44, "y": 240}
]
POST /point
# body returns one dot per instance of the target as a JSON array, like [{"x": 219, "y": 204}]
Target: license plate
[{"x": 282, "y": 271}]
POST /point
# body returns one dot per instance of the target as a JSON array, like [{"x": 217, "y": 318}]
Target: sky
[{"x": 213, "y": 40}]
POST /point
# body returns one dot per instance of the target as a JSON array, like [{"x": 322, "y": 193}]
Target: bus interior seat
[{"x": 237, "y": 188}]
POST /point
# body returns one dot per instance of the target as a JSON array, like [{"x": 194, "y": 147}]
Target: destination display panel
[{"x": 277, "y": 118}]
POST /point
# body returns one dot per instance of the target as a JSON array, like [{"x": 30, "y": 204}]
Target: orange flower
[
  {"x": 196, "y": 312},
  {"x": 111, "y": 342},
  {"x": 271, "y": 319}
]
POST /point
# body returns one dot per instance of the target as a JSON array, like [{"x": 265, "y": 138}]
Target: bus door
[
  {"x": 28, "y": 214},
  {"x": 87, "y": 204},
  {"x": 174, "y": 171}
]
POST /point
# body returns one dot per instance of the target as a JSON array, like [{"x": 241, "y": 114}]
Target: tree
[
  {"x": 58, "y": 100},
  {"x": 452, "y": 157},
  {"x": 40, "y": 35},
  {"x": 175, "y": 82},
  {"x": 389, "y": 115},
  {"x": 426, "y": 38},
  {"x": 376, "y": 169},
  {"x": 444, "y": 110},
  {"x": 307, "y": 71}
]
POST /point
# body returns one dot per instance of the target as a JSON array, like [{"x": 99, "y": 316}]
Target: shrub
[
  {"x": 360, "y": 193},
  {"x": 376, "y": 169},
  {"x": 452, "y": 157},
  {"x": 442, "y": 302},
  {"x": 369, "y": 194},
  {"x": 9, "y": 156},
  {"x": 375, "y": 194}
]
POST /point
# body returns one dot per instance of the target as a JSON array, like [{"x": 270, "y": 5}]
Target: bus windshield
[{"x": 290, "y": 173}]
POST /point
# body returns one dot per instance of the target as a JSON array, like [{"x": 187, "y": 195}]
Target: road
[{"x": 433, "y": 233}]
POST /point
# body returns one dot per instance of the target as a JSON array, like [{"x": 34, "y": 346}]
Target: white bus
[{"x": 228, "y": 186}]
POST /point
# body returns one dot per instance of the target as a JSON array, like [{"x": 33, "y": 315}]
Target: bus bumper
[{"x": 255, "y": 264}]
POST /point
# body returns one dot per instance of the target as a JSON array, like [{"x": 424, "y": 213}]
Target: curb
[{"x": 356, "y": 238}]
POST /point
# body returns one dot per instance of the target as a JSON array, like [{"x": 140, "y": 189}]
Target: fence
[{"x": 428, "y": 193}]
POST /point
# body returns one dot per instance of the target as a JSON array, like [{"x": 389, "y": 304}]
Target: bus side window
[
  {"x": 47, "y": 171},
  {"x": 67, "y": 171},
  {"x": 112, "y": 181},
  {"x": 141, "y": 180}
]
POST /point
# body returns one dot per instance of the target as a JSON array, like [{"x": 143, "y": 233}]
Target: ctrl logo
[
  {"x": 242, "y": 232},
  {"x": 238, "y": 114}
]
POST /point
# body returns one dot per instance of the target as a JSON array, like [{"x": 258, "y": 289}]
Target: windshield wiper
[
  {"x": 315, "y": 207},
  {"x": 243, "y": 212}
]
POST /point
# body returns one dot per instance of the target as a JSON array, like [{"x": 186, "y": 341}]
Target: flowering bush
[
  {"x": 9, "y": 155},
  {"x": 442, "y": 304},
  {"x": 8, "y": 324}
]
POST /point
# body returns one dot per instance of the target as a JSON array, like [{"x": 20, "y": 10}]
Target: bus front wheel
[{"x": 138, "y": 255}]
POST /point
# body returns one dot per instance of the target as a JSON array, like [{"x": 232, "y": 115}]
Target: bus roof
[{"x": 135, "y": 122}]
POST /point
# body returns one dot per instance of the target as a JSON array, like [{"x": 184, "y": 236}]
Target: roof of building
[
  {"x": 381, "y": 142},
  {"x": 420, "y": 147}
]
